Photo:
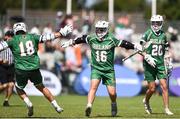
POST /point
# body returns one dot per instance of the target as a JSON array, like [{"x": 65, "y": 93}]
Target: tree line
[{"x": 168, "y": 8}]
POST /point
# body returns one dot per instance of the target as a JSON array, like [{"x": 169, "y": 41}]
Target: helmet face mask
[
  {"x": 156, "y": 23},
  {"x": 101, "y": 32},
  {"x": 17, "y": 27},
  {"x": 101, "y": 29}
]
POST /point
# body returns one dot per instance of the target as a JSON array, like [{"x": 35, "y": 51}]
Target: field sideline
[{"x": 74, "y": 106}]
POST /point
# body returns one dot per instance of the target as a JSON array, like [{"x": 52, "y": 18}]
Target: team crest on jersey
[
  {"x": 157, "y": 41},
  {"x": 101, "y": 47}
]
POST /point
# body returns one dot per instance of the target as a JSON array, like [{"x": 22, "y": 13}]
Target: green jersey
[
  {"x": 24, "y": 49},
  {"x": 158, "y": 46},
  {"x": 102, "y": 52}
]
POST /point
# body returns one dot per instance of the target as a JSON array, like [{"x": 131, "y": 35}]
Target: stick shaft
[
  {"x": 145, "y": 46},
  {"x": 124, "y": 59}
]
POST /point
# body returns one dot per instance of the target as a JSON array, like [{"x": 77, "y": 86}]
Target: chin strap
[{"x": 157, "y": 32}]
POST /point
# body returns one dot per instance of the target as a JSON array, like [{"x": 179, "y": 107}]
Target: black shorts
[
  {"x": 22, "y": 77},
  {"x": 6, "y": 74}
]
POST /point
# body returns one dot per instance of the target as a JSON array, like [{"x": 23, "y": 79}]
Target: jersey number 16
[{"x": 101, "y": 56}]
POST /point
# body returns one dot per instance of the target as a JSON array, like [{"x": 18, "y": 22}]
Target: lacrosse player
[
  {"x": 24, "y": 47},
  {"x": 102, "y": 45},
  {"x": 154, "y": 65}
]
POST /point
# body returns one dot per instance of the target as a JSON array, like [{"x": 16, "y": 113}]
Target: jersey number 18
[{"x": 27, "y": 49}]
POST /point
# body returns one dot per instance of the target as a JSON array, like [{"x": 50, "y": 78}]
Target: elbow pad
[
  {"x": 127, "y": 44},
  {"x": 79, "y": 40}
]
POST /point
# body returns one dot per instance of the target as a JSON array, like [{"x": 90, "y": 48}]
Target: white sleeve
[
  {"x": 47, "y": 37},
  {"x": 86, "y": 38},
  {"x": 3, "y": 45}
]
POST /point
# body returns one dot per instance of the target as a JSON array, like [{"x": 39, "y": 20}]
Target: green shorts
[
  {"x": 151, "y": 74},
  {"x": 23, "y": 76},
  {"x": 108, "y": 77}
]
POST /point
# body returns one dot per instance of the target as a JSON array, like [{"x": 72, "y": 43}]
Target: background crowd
[{"x": 68, "y": 63}]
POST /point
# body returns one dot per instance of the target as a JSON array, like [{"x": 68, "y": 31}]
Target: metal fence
[{"x": 42, "y": 17}]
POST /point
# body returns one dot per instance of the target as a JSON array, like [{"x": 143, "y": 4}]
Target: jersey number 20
[
  {"x": 101, "y": 56},
  {"x": 27, "y": 49},
  {"x": 157, "y": 50}
]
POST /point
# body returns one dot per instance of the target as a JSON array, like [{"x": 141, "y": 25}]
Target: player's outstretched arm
[
  {"x": 63, "y": 32},
  {"x": 129, "y": 45},
  {"x": 72, "y": 42}
]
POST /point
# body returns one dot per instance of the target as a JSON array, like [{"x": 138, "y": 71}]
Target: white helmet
[
  {"x": 101, "y": 28},
  {"x": 156, "y": 22},
  {"x": 20, "y": 26}
]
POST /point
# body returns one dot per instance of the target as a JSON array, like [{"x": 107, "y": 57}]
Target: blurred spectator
[
  {"x": 175, "y": 52},
  {"x": 59, "y": 20},
  {"x": 35, "y": 30},
  {"x": 88, "y": 19},
  {"x": 86, "y": 28},
  {"x": 135, "y": 63},
  {"x": 47, "y": 29},
  {"x": 73, "y": 63},
  {"x": 47, "y": 49},
  {"x": 122, "y": 29},
  {"x": 7, "y": 27},
  {"x": 47, "y": 57},
  {"x": 85, "y": 52},
  {"x": 172, "y": 34},
  {"x": 1, "y": 33}
]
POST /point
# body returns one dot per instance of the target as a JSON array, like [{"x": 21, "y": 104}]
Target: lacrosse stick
[
  {"x": 168, "y": 67},
  {"x": 144, "y": 48}
]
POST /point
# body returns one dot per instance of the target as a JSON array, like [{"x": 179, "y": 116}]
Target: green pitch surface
[{"x": 74, "y": 106}]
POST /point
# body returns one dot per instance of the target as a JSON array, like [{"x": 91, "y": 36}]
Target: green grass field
[{"x": 74, "y": 106}]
